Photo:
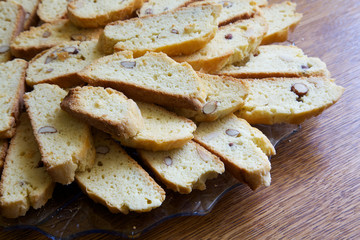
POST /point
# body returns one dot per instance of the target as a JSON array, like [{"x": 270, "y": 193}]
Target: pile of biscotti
[{"x": 179, "y": 81}]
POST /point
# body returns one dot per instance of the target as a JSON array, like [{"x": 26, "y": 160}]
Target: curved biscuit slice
[
  {"x": 162, "y": 131},
  {"x": 232, "y": 43},
  {"x": 60, "y": 64},
  {"x": 182, "y": 31},
  {"x": 282, "y": 18},
  {"x": 118, "y": 181},
  {"x": 277, "y": 61},
  {"x": 24, "y": 181},
  {"x": 90, "y": 14},
  {"x": 242, "y": 148},
  {"x": 289, "y": 100},
  {"x": 65, "y": 142},
  {"x": 37, "y": 39},
  {"x": 225, "y": 95},
  {"x": 184, "y": 169},
  {"x": 153, "y": 78},
  {"x": 12, "y": 84},
  {"x": 12, "y": 22},
  {"x": 106, "y": 109},
  {"x": 52, "y": 10}
]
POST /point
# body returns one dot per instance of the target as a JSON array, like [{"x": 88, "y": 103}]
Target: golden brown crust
[
  {"x": 3, "y": 150},
  {"x": 246, "y": 75},
  {"x": 209, "y": 65},
  {"x": 102, "y": 19},
  {"x": 146, "y": 95}
]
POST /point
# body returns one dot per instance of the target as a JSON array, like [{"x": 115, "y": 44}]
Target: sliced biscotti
[
  {"x": 65, "y": 142},
  {"x": 153, "y": 78},
  {"x": 118, "y": 181},
  {"x": 11, "y": 22},
  {"x": 236, "y": 9},
  {"x": 24, "y": 181},
  {"x": 159, "y": 6},
  {"x": 224, "y": 96},
  {"x": 30, "y": 7},
  {"x": 243, "y": 149},
  {"x": 184, "y": 169},
  {"x": 289, "y": 100},
  {"x": 277, "y": 61},
  {"x": 29, "y": 43},
  {"x": 52, "y": 10},
  {"x": 162, "y": 131},
  {"x": 12, "y": 85},
  {"x": 60, "y": 64},
  {"x": 232, "y": 43},
  {"x": 282, "y": 18},
  {"x": 182, "y": 31},
  {"x": 3, "y": 150},
  {"x": 90, "y": 14},
  {"x": 105, "y": 109}
]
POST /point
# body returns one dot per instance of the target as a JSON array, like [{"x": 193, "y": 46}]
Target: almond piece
[
  {"x": 47, "y": 129},
  {"x": 168, "y": 161},
  {"x": 102, "y": 149},
  {"x": 232, "y": 132},
  {"x": 299, "y": 89},
  {"x": 128, "y": 64},
  {"x": 210, "y": 107}
]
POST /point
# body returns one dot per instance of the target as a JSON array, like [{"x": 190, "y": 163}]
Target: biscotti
[
  {"x": 118, "y": 181},
  {"x": 159, "y": 6},
  {"x": 12, "y": 84},
  {"x": 105, "y": 109},
  {"x": 282, "y": 19},
  {"x": 37, "y": 39},
  {"x": 11, "y": 22},
  {"x": 162, "y": 131},
  {"x": 289, "y": 100},
  {"x": 224, "y": 96},
  {"x": 3, "y": 150},
  {"x": 184, "y": 169},
  {"x": 277, "y": 61},
  {"x": 52, "y": 10},
  {"x": 243, "y": 149},
  {"x": 153, "y": 78},
  {"x": 30, "y": 7},
  {"x": 65, "y": 142},
  {"x": 24, "y": 181},
  {"x": 91, "y": 14},
  {"x": 235, "y": 10},
  {"x": 182, "y": 31},
  {"x": 232, "y": 43},
  {"x": 60, "y": 64}
]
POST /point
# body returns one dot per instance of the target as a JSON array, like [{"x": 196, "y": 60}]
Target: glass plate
[{"x": 70, "y": 213}]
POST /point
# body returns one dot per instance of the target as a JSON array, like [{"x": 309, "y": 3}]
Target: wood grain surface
[{"x": 315, "y": 190}]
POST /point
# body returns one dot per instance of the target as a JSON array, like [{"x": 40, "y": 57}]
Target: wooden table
[{"x": 315, "y": 190}]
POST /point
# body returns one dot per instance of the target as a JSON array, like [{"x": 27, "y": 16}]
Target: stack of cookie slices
[{"x": 178, "y": 81}]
